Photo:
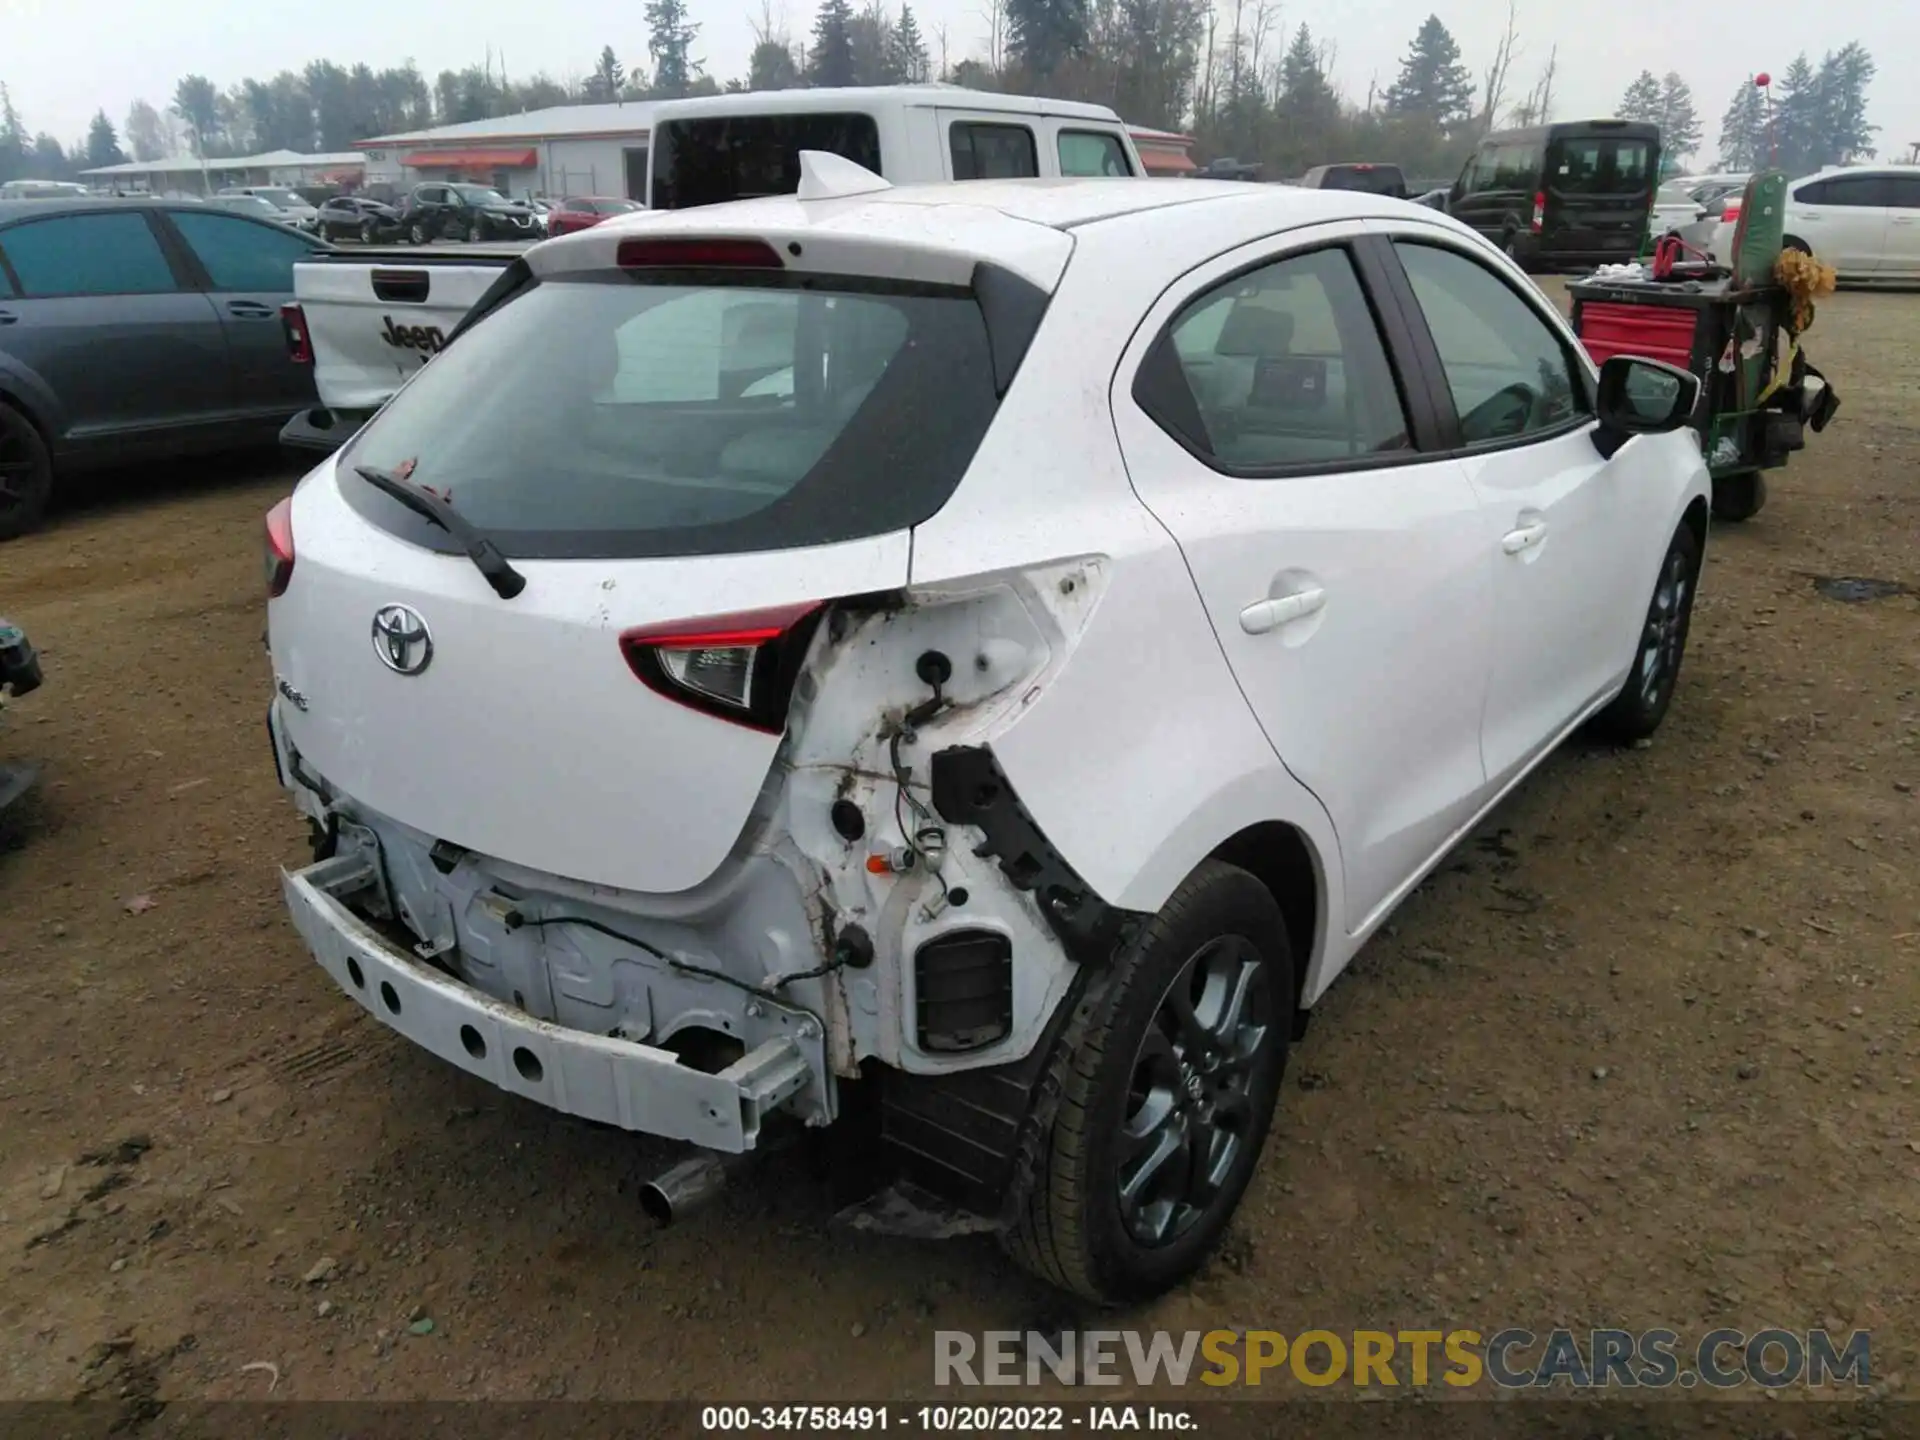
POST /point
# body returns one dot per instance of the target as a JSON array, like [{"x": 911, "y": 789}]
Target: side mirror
[{"x": 1642, "y": 397}]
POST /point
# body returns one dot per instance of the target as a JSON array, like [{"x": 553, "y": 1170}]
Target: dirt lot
[{"x": 1641, "y": 1055}]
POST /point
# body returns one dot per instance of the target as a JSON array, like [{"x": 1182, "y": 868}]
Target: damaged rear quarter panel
[{"x": 1005, "y": 636}]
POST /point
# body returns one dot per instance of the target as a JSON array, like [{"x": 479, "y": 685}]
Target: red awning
[{"x": 470, "y": 160}]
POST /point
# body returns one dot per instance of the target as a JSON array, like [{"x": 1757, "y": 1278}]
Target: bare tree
[
  {"x": 996, "y": 17},
  {"x": 1494, "y": 83},
  {"x": 940, "y": 39},
  {"x": 1537, "y": 108}
]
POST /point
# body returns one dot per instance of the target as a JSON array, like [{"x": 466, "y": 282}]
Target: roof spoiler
[{"x": 826, "y": 176}]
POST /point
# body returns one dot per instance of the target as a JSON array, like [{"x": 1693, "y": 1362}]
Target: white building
[
  {"x": 188, "y": 174},
  {"x": 565, "y": 150}
]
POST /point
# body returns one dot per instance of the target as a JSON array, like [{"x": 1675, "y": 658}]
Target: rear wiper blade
[{"x": 506, "y": 581}]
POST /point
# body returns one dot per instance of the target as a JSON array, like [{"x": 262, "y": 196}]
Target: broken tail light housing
[
  {"x": 739, "y": 667},
  {"x": 1539, "y": 212},
  {"x": 279, "y": 551},
  {"x": 717, "y": 253},
  {"x": 293, "y": 320}
]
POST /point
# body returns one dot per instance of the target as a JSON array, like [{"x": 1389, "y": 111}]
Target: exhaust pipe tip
[{"x": 684, "y": 1189}]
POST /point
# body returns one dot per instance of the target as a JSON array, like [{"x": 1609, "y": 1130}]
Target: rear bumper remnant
[
  {"x": 615, "y": 1082},
  {"x": 322, "y": 431}
]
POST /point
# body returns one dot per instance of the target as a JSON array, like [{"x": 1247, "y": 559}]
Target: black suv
[{"x": 449, "y": 210}]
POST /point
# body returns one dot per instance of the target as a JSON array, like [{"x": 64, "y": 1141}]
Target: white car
[
  {"x": 1677, "y": 211},
  {"x": 1864, "y": 220},
  {"x": 980, "y": 659}
]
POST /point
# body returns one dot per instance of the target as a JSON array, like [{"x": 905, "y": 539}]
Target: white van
[{"x": 732, "y": 147}]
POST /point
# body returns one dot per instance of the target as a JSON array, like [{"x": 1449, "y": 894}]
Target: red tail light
[
  {"x": 697, "y": 254},
  {"x": 279, "y": 555},
  {"x": 293, "y": 320},
  {"x": 740, "y": 667},
  {"x": 1731, "y": 214},
  {"x": 1539, "y": 212}
]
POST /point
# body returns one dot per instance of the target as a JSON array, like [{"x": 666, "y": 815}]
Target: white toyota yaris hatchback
[{"x": 973, "y": 660}]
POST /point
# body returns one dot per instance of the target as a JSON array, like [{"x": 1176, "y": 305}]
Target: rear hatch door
[
  {"x": 1599, "y": 192},
  {"x": 690, "y": 459}
]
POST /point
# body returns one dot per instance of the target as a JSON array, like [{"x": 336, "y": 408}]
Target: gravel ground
[{"x": 1641, "y": 1054}]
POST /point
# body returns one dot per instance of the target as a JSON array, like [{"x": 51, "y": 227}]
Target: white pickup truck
[{"x": 367, "y": 318}]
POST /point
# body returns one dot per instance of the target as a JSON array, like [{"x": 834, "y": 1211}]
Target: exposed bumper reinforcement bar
[{"x": 615, "y": 1082}]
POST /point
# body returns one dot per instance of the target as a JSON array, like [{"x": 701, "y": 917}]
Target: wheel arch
[
  {"x": 25, "y": 392},
  {"x": 1695, "y": 519},
  {"x": 1284, "y": 859}
]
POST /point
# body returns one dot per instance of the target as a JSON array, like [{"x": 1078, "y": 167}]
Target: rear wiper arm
[{"x": 506, "y": 581}]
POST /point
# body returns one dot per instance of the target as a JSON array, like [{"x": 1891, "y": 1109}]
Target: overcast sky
[{"x": 62, "y": 59}]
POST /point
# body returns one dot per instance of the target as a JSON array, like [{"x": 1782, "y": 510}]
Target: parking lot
[{"x": 1641, "y": 1055}]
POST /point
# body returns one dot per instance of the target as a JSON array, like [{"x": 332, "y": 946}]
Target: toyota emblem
[{"x": 401, "y": 639}]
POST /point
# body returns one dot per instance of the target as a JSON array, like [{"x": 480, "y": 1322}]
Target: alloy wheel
[
  {"x": 1189, "y": 1101},
  {"x": 1666, "y": 627}
]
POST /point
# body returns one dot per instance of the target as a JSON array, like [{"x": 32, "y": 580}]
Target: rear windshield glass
[
  {"x": 1374, "y": 180},
  {"x": 708, "y": 162},
  {"x": 1601, "y": 165},
  {"x": 684, "y": 415}
]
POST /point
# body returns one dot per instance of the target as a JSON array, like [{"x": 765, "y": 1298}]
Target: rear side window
[
  {"x": 992, "y": 152},
  {"x": 1601, "y": 165},
  {"x": 708, "y": 162},
  {"x": 1903, "y": 192},
  {"x": 1277, "y": 368},
  {"x": 1509, "y": 371},
  {"x": 1864, "y": 191},
  {"x": 241, "y": 255},
  {"x": 112, "y": 254},
  {"x": 1091, "y": 152},
  {"x": 1369, "y": 179},
  {"x": 688, "y": 415}
]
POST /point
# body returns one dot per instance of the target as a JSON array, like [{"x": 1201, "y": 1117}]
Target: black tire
[
  {"x": 417, "y": 233},
  {"x": 26, "y": 474},
  {"x": 1739, "y": 497},
  {"x": 1133, "y": 1061},
  {"x": 1794, "y": 242},
  {"x": 1636, "y": 712},
  {"x": 368, "y": 232}
]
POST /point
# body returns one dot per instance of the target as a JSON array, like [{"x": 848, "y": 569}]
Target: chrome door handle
[{"x": 1264, "y": 615}]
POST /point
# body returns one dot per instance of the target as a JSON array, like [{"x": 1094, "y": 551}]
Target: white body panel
[
  {"x": 528, "y": 738},
  {"x": 357, "y": 361}
]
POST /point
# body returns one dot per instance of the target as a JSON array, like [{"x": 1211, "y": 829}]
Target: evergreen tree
[
  {"x": 909, "y": 50},
  {"x": 1680, "y": 133},
  {"x": 1743, "y": 130},
  {"x": 1642, "y": 100},
  {"x": 831, "y": 62},
  {"x": 1433, "y": 85},
  {"x": 103, "y": 144},
  {"x": 1796, "y": 121},
  {"x": 670, "y": 36},
  {"x": 609, "y": 77},
  {"x": 1844, "y": 134},
  {"x": 771, "y": 67},
  {"x": 1307, "y": 104},
  {"x": 1043, "y": 34},
  {"x": 13, "y": 139}
]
